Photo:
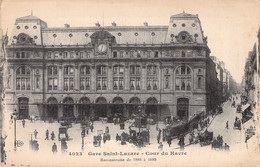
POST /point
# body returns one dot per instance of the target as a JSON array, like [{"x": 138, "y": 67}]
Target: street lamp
[
  {"x": 15, "y": 115},
  {"x": 83, "y": 135}
]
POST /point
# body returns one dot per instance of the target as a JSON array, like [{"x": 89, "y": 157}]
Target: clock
[{"x": 102, "y": 48}]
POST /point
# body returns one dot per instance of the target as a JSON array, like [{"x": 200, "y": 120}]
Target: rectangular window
[
  {"x": 156, "y": 54},
  {"x": 23, "y": 55},
  {"x": 121, "y": 70},
  {"x": 23, "y": 83},
  {"x": 55, "y": 84},
  {"x": 55, "y": 71},
  {"x": 27, "y": 55},
  {"x": 87, "y": 54},
  {"x": 121, "y": 83},
  {"x": 37, "y": 82},
  {"x": 177, "y": 84},
  {"x": 148, "y": 54},
  {"x": 18, "y": 55},
  {"x": 18, "y": 84},
  {"x": 71, "y": 54},
  {"x": 87, "y": 83},
  {"x": 121, "y": 54},
  {"x": 56, "y": 54},
  {"x": 82, "y": 84},
  {"x": 199, "y": 82},
  {"x": 66, "y": 70},
  {"x": 50, "y": 83},
  {"x": 138, "y": 83},
  {"x": 104, "y": 83},
  {"x": 132, "y": 83},
  {"x": 115, "y": 54},
  {"x": 131, "y": 54},
  {"x": 81, "y": 55},
  {"x": 65, "y": 55},
  {"x": 167, "y": 83},
  {"x": 66, "y": 84},
  {"x": 71, "y": 83},
  {"x": 115, "y": 69},
  {"x": 99, "y": 83},
  {"x": 132, "y": 69},
  {"x": 49, "y": 55},
  {"x": 71, "y": 70},
  {"x": 115, "y": 84},
  {"x": 138, "y": 70},
  {"x": 28, "y": 84}
]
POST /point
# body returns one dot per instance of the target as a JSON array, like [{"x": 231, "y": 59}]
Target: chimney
[
  {"x": 66, "y": 25},
  {"x": 114, "y": 24},
  {"x": 145, "y": 24},
  {"x": 97, "y": 24}
]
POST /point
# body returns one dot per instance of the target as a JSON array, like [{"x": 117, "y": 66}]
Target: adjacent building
[{"x": 68, "y": 71}]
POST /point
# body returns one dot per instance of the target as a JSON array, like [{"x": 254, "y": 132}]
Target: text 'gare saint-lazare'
[{"x": 95, "y": 71}]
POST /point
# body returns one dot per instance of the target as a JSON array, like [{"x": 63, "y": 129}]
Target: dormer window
[
  {"x": 18, "y": 27},
  {"x": 26, "y": 27}
]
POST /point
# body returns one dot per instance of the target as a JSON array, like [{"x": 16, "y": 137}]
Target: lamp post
[
  {"x": 15, "y": 114},
  {"x": 83, "y": 135}
]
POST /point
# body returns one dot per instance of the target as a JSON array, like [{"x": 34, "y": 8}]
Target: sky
[{"x": 230, "y": 25}]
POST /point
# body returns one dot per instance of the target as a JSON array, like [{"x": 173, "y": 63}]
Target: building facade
[{"x": 74, "y": 71}]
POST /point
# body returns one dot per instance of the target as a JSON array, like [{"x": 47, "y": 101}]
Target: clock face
[{"x": 102, "y": 48}]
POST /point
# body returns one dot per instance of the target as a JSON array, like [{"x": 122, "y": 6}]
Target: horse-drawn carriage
[
  {"x": 205, "y": 138},
  {"x": 63, "y": 133},
  {"x": 237, "y": 124}
]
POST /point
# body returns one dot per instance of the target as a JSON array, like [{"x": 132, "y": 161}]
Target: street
[{"x": 24, "y": 155}]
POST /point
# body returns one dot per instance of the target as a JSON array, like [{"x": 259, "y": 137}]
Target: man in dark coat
[
  {"x": 54, "y": 148},
  {"x": 47, "y": 135}
]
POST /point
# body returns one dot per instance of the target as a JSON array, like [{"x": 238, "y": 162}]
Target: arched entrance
[
  {"x": 118, "y": 107},
  {"x": 84, "y": 107},
  {"x": 183, "y": 109},
  {"x": 23, "y": 107},
  {"x": 52, "y": 108},
  {"x": 151, "y": 108},
  {"x": 133, "y": 107},
  {"x": 68, "y": 107},
  {"x": 100, "y": 107}
]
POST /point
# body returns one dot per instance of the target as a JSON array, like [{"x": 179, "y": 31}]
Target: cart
[
  {"x": 206, "y": 138},
  {"x": 237, "y": 124},
  {"x": 63, "y": 133}
]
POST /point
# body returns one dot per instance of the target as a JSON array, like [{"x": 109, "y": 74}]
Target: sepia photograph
[{"x": 129, "y": 83}]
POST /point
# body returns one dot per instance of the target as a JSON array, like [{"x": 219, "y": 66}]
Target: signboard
[{"x": 19, "y": 143}]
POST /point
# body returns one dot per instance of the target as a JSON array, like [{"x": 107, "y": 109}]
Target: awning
[
  {"x": 244, "y": 107},
  {"x": 247, "y": 114}
]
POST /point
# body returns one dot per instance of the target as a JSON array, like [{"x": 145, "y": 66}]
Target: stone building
[{"x": 68, "y": 71}]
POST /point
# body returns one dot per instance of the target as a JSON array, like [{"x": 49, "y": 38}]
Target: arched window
[
  {"x": 84, "y": 77},
  {"x": 23, "y": 81},
  {"x": 152, "y": 83},
  {"x": 52, "y": 78},
  {"x": 183, "y": 78},
  {"x": 135, "y": 75},
  {"x": 118, "y": 79},
  {"x": 68, "y": 78},
  {"x": 101, "y": 77}
]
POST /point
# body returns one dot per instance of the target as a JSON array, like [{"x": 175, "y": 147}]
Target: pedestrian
[
  {"x": 52, "y": 135},
  {"x": 35, "y": 133},
  {"x": 91, "y": 127},
  {"x": 54, "y": 148},
  {"x": 104, "y": 138},
  {"x": 160, "y": 146},
  {"x": 169, "y": 141},
  {"x": 47, "y": 135},
  {"x": 227, "y": 125},
  {"x": 117, "y": 137},
  {"x": 236, "y": 119},
  {"x": 159, "y": 136},
  {"x": 23, "y": 122}
]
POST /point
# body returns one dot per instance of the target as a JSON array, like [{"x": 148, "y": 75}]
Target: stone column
[
  {"x": 76, "y": 81},
  {"x": 109, "y": 77},
  {"x": 143, "y": 76},
  {"x": 60, "y": 76},
  {"x": 127, "y": 77},
  {"x": 93, "y": 77}
]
